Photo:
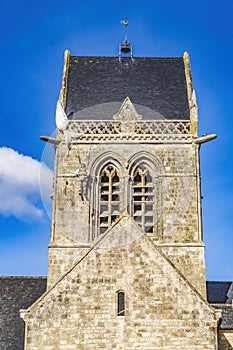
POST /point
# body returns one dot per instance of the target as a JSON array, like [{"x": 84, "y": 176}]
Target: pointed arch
[
  {"x": 145, "y": 192},
  {"x": 147, "y": 158},
  {"x": 103, "y": 159},
  {"x": 106, "y": 198},
  {"x": 109, "y": 196}
]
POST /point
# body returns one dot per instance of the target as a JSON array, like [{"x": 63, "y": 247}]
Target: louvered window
[
  {"x": 143, "y": 199},
  {"x": 109, "y": 197}
]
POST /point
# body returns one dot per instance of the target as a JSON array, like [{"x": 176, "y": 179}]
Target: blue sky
[{"x": 34, "y": 36}]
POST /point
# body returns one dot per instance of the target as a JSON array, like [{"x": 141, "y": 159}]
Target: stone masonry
[
  {"x": 179, "y": 232},
  {"x": 163, "y": 311},
  {"x": 126, "y": 218}
]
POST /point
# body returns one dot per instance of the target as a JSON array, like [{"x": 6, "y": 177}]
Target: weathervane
[{"x": 126, "y": 47}]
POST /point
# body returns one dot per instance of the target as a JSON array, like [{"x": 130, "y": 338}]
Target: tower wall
[{"x": 177, "y": 228}]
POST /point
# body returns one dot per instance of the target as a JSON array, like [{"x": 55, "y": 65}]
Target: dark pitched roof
[
  {"x": 218, "y": 292},
  {"x": 16, "y": 293},
  {"x": 220, "y": 295},
  {"x": 157, "y": 87}
]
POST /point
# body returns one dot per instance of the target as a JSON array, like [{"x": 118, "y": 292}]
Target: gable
[{"x": 156, "y": 296}]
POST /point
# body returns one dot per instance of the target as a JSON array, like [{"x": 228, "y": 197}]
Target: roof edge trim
[
  {"x": 63, "y": 91},
  {"x": 191, "y": 95},
  {"x": 199, "y": 295}
]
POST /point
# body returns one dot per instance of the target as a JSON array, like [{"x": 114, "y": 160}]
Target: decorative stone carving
[
  {"x": 82, "y": 180},
  {"x": 193, "y": 107},
  {"x": 63, "y": 92},
  {"x": 127, "y": 112},
  {"x": 135, "y": 130}
]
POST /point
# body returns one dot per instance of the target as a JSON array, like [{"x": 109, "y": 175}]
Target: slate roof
[
  {"x": 220, "y": 295},
  {"x": 219, "y": 292},
  {"x": 156, "y": 86},
  {"x": 16, "y": 293}
]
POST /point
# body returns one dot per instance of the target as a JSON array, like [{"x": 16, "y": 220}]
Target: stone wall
[
  {"x": 162, "y": 310},
  {"x": 60, "y": 260},
  {"x": 177, "y": 203},
  {"x": 190, "y": 262}
]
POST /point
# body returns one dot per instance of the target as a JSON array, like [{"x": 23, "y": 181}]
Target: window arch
[
  {"x": 135, "y": 186},
  {"x": 143, "y": 195},
  {"x": 109, "y": 197}
]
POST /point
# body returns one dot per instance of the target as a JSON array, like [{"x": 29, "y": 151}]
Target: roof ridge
[{"x": 129, "y": 58}]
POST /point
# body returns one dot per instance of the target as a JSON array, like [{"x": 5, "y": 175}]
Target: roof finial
[{"x": 126, "y": 47}]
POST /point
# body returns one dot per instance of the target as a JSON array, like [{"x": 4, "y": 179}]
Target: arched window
[
  {"x": 120, "y": 303},
  {"x": 143, "y": 198},
  {"x": 117, "y": 187},
  {"x": 109, "y": 203}
]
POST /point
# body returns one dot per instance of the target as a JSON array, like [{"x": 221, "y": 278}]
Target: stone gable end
[{"x": 162, "y": 310}]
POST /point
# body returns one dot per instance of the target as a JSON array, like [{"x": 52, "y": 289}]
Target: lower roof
[{"x": 16, "y": 293}]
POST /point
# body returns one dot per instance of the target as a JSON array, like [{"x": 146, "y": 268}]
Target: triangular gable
[
  {"x": 83, "y": 304},
  {"x": 125, "y": 235},
  {"x": 127, "y": 112}
]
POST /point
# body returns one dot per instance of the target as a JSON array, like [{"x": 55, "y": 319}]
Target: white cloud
[{"x": 22, "y": 179}]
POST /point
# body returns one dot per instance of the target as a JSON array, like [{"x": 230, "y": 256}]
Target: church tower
[
  {"x": 129, "y": 147},
  {"x": 126, "y": 255}
]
